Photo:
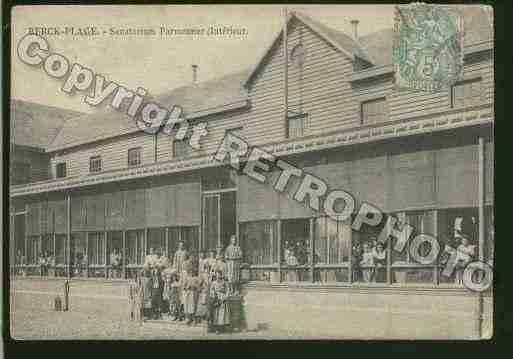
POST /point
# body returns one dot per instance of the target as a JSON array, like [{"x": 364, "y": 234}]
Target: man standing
[
  {"x": 233, "y": 256},
  {"x": 179, "y": 258}
]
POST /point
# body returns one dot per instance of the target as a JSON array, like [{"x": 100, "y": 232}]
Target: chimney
[
  {"x": 194, "y": 74},
  {"x": 355, "y": 29}
]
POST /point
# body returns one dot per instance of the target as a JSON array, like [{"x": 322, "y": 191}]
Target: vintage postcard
[{"x": 251, "y": 172}]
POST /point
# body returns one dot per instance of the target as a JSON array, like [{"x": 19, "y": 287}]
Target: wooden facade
[{"x": 422, "y": 157}]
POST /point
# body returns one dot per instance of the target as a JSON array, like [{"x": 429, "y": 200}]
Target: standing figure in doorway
[
  {"x": 233, "y": 255},
  {"x": 179, "y": 258}
]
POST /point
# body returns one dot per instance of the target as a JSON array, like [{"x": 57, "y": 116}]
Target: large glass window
[
  {"x": 404, "y": 268},
  {"x": 61, "y": 250},
  {"x": 368, "y": 256},
  {"x": 259, "y": 242},
  {"x": 33, "y": 249},
  {"x": 332, "y": 240},
  {"x": 96, "y": 251},
  {"x": 135, "y": 247},
  {"x": 295, "y": 251},
  {"x": 78, "y": 254},
  {"x": 157, "y": 240}
]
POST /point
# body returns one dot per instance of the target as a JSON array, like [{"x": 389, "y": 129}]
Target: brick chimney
[
  {"x": 194, "y": 74},
  {"x": 354, "y": 23}
]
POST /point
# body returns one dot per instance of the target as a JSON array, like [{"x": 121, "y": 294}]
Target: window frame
[
  {"x": 299, "y": 116},
  {"x": 183, "y": 143},
  {"x": 58, "y": 167},
  {"x": 471, "y": 99},
  {"x": 374, "y": 101},
  {"x": 138, "y": 151},
  {"x": 91, "y": 167}
]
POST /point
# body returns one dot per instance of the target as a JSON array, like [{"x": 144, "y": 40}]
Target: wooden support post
[
  {"x": 167, "y": 243},
  {"x": 350, "y": 257},
  {"x": 389, "y": 262},
  {"x": 25, "y": 238},
  {"x": 123, "y": 255},
  {"x": 481, "y": 224},
  {"x": 279, "y": 249},
  {"x": 68, "y": 236},
  {"x": 312, "y": 249},
  {"x": 87, "y": 254},
  {"x": 105, "y": 243},
  {"x": 436, "y": 278},
  {"x": 481, "y": 197}
]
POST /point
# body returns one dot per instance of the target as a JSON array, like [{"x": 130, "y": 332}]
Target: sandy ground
[{"x": 99, "y": 311}]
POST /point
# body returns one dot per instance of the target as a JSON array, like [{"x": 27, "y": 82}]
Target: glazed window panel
[
  {"x": 296, "y": 126},
  {"x": 33, "y": 249},
  {"x": 96, "y": 248},
  {"x": 95, "y": 164},
  {"x": 467, "y": 93},
  {"x": 374, "y": 111},
  {"x": 134, "y": 247},
  {"x": 60, "y": 170},
  {"x": 61, "y": 249},
  {"x": 257, "y": 242},
  {"x": 134, "y": 156},
  {"x": 181, "y": 148},
  {"x": 332, "y": 241}
]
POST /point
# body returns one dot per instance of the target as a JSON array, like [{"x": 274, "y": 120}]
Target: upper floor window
[
  {"x": 60, "y": 170},
  {"x": 20, "y": 172},
  {"x": 181, "y": 148},
  {"x": 467, "y": 93},
  {"x": 134, "y": 156},
  {"x": 95, "y": 164},
  {"x": 296, "y": 125},
  {"x": 374, "y": 111}
]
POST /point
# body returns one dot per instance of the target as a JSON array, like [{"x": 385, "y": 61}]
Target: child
[
  {"x": 367, "y": 263},
  {"x": 220, "y": 307},
  {"x": 175, "y": 305},
  {"x": 189, "y": 297},
  {"x": 202, "y": 306},
  {"x": 146, "y": 288}
]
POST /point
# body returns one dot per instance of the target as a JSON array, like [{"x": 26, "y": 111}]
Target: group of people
[
  {"x": 186, "y": 288},
  {"x": 369, "y": 261}
]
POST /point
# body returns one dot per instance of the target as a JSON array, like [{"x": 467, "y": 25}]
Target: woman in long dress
[
  {"x": 146, "y": 291},
  {"x": 220, "y": 305},
  {"x": 202, "y": 305}
]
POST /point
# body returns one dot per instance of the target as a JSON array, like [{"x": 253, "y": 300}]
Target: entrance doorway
[{"x": 219, "y": 219}]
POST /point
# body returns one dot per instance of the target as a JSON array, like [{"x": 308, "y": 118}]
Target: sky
[{"x": 158, "y": 63}]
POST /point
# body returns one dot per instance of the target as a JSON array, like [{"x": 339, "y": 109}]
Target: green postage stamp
[{"x": 428, "y": 47}]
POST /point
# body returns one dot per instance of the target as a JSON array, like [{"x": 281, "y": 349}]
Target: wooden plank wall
[{"x": 320, "y": 88}]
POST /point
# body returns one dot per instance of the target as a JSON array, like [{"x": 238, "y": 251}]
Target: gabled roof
[
  {"x": 477, "y": 29},
  {"x": 344, "y": 43},
  {"x": 205, "y": 97},
  {"x": 35, "y": 125}
]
